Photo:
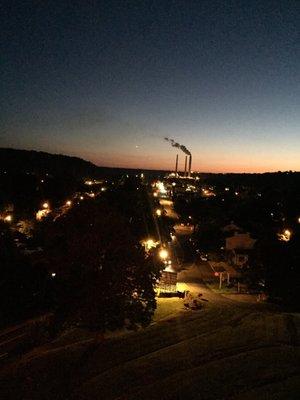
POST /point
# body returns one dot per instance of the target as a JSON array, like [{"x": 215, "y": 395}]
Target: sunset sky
[{"x": 108, "y": 80}]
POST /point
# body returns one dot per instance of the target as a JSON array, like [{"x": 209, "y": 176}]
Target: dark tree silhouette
[{"x": 104, "y": 278}]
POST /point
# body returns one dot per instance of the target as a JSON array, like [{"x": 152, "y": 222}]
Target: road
[{"x": 168, "y": 206}]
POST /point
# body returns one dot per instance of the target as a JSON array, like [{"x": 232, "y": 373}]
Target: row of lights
[{"x": 46, "y": 209}]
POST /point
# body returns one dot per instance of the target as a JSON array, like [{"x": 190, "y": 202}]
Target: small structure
[{"x": 168, "y": 282}]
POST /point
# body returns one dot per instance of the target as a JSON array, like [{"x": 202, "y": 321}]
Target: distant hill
[{"x": 40, "y": 162}]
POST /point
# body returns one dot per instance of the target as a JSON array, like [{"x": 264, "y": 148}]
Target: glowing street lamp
[
  {"x": 163, "y": 254},
  {"x": 158, "y": 212},
  {"x": 45, "y": 205},
  {"x": 8, "y": 218},
  {"x": 68, "y": 203}
]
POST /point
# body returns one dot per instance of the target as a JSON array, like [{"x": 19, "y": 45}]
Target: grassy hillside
[{"x": 228, "y": 350}]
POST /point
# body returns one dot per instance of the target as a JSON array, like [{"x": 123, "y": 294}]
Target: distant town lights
[
  {"x": 45, "y": 205},
  {"x": 8, "y": 218},
  {"x": 161, "y": 187},
  {"x": 68, "y": 203}
]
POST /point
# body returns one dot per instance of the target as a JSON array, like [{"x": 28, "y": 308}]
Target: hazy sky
[{"x": 108, "y": 80}]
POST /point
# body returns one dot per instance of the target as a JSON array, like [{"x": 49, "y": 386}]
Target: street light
[
  {"x": 8, "y": 218},
  {"x": 68, "y": 203},
  {"x": 45, "y": 205},
  {"x": 158, "y": 212},
  {"x": 163, "y": 254}
]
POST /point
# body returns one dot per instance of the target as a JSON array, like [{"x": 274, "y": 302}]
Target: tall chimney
[
  {"x": 176, "y": 165},
  {"x": 185, "y": 165},
  {"x": 190, "y": 166}
]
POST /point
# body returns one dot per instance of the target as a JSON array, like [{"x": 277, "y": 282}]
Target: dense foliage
[
  {"x": 25, "y": 288},
  {"x": 103, "y": 277}
]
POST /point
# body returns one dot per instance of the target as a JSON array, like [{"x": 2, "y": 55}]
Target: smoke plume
[{"x": 179, "y": 146}]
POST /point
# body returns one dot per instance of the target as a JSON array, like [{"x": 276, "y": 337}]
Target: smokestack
[
  {"x": 176, "y": 165},
  {"x": 185, "y": 165},
  {"x": 190, "y": 166}
]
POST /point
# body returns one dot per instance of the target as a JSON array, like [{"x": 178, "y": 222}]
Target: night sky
[{"x": 107, "y": 81}]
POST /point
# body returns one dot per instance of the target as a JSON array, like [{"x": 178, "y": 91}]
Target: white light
[{"x": 53, "y": 274}]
